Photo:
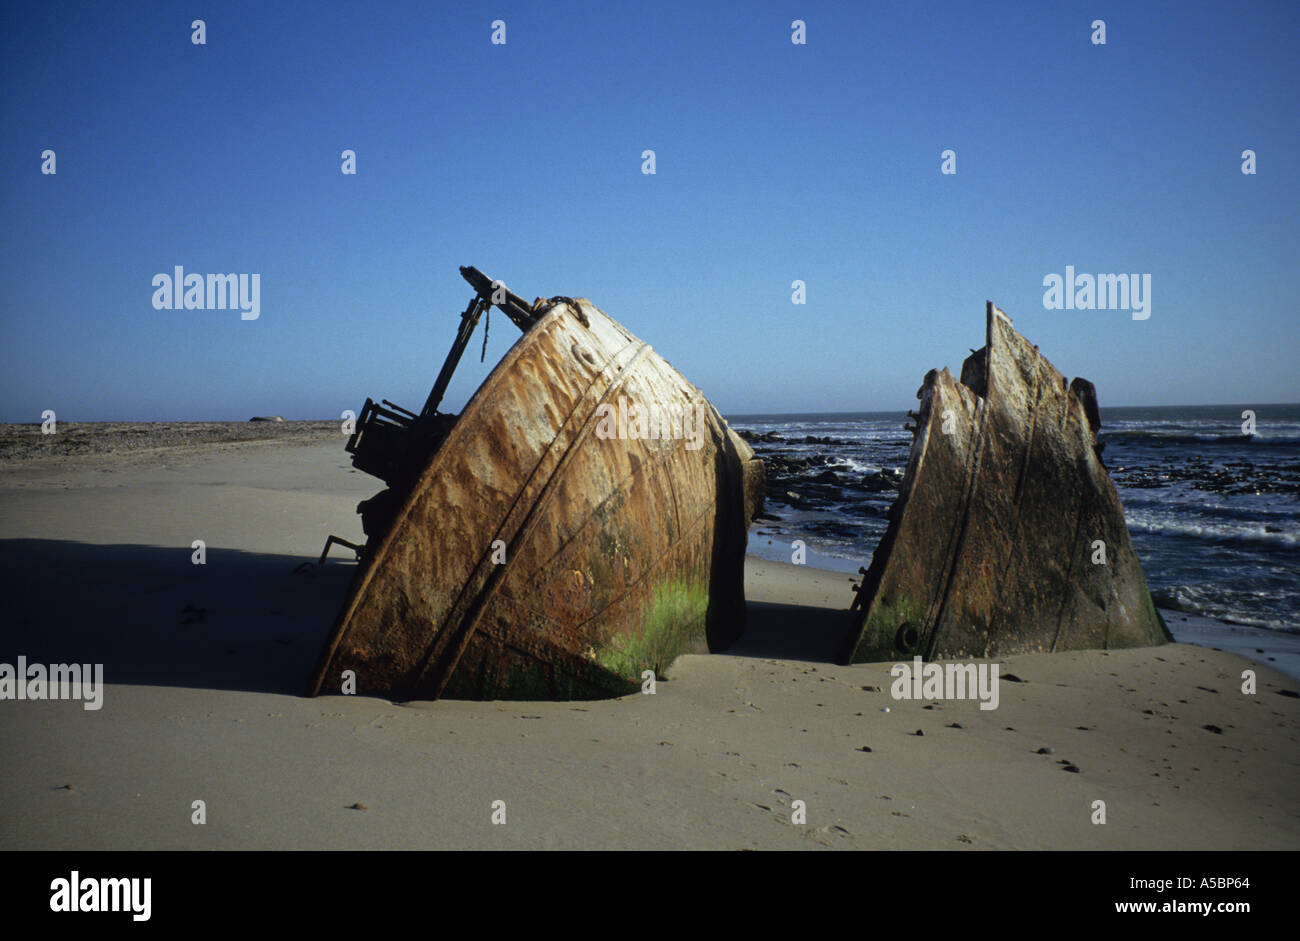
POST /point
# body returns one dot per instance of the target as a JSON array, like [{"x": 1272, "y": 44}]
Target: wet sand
[{"x": 205, "y": 668}]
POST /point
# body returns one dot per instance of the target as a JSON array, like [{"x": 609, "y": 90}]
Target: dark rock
[{"x": 880, "y": 482}]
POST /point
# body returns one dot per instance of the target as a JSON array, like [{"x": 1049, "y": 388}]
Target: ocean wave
[
  {"x": 1226, "y": 438},
  {"x": 850, "y": 464},
  {"x": 1214, "y": 532},
  {"x": 1276, "y": 512},
  {"x": 1198, "y": 601}
]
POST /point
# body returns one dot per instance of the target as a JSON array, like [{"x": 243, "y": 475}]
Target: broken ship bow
[
  {"x": 521, "y": 551},
  {"x": 1008, "y": 535}
]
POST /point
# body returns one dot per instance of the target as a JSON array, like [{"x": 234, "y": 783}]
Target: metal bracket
[{"x": 342, "y": 542}]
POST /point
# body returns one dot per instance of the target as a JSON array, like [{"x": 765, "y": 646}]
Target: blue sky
[{"x": 774, "y": 161}]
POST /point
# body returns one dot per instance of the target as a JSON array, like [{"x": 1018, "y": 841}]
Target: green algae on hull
[
  {"x": 674, "y": 624},
  {"x": 890, "y": 628}
]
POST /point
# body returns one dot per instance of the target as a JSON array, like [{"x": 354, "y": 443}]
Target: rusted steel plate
[
  {"x": 620, "y": 552},
  {"x": 991, "y": 545}
]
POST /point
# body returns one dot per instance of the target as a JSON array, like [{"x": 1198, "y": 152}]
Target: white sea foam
[{"x": 1221, "y": 531}]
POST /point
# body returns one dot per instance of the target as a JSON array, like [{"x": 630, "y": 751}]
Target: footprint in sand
[{"x": 827, "y": 836}]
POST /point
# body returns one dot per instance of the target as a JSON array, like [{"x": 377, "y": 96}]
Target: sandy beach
[{"x": 205, "y": 668}]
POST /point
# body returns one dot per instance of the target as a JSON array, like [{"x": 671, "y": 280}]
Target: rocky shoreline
[
  {"x": 1234, "y": 478},
  {"x": 821, "y": 481}
]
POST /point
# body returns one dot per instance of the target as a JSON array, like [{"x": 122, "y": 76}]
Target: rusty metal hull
[
  {"x": 994, "y": 545},
  {"x": 536, "y": 557}
]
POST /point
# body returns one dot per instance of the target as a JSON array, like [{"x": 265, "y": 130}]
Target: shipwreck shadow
[
  {"x": 242, "y": 621},
  {"x": 793, "y": 632}
]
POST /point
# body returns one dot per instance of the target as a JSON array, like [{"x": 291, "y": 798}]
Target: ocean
[{"x": 1214, "y": 514}]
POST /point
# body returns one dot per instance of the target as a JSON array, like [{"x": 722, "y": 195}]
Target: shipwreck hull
[
  {"x": 992, "y": 543},
  {"x": 536, "y": 556}
]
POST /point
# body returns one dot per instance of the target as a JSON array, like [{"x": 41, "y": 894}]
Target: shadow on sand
[
  {"x": 242, "y": 621},
  {"x": 793, "y": 632}
]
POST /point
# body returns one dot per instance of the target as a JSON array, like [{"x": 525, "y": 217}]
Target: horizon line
[{"x": 880, "y": 411}]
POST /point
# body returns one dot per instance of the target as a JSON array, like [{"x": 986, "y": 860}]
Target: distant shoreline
[
  {"x": 24, "y": 443},
  {"x": 729, "y": 416}
]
